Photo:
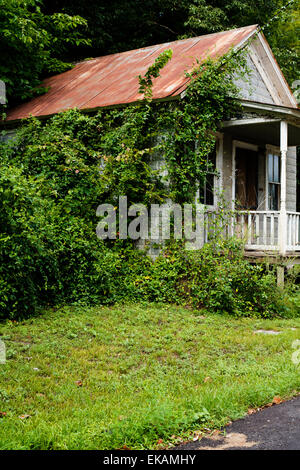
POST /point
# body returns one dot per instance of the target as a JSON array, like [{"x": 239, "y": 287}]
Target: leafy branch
[{"x": 146, "y": 82}]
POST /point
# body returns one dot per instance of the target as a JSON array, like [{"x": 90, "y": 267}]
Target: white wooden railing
[
  {"x": 261, "y": 230},
  {"x": 293, "y": 231}
]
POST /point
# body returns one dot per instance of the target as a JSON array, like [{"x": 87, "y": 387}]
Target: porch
[{"x": 257, "y": 163}]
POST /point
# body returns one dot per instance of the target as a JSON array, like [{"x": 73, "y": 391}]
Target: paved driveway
[{"x": 274, "y": 428}]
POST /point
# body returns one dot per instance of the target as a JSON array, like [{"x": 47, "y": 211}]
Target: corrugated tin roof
[{"x": 112, "y": 79}]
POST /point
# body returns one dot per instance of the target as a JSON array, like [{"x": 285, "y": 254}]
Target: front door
[{"x": 246, "y": 179}]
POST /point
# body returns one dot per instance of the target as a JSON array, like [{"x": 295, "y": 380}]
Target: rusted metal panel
[{"x": 113, "y": 79}]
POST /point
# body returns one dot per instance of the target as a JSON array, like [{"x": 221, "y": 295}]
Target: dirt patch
[{"x": 233, "y": 439}]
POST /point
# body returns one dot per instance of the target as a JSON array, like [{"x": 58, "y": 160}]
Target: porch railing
[
  {"x": 293, "y": 231},
  {"x": 261, "y": 230}
]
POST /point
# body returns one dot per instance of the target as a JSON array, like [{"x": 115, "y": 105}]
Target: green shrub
[
  {"x": 220, "y": 278},
  {"x": 217, "y": 277},
  {"x": 46, "y": 255}
]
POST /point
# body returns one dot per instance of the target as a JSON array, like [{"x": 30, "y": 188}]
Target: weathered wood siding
[
  {"x": 7, "y": 135},
  {"x": 255, "y": 89},
  {"x": 291, "y": 179}
]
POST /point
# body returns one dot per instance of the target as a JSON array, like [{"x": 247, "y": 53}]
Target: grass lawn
[{"x": 104, "y": 378}]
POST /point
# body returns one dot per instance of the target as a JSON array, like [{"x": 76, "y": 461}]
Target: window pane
[
  {"x": 270, "y": 167},
  {"x": 212, "y": 158},
  {"x": 207, "y": 188},
  {"x": 209, "y": 196},
  {"x": 276, "y": 177},
  {"x": 270, "y": 197},
  {"x": 274, "y": 197}
]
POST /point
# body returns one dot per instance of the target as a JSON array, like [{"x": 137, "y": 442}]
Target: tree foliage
[
  {"x": 126, "y": 25},
  {"x": 32, "y": 45}
]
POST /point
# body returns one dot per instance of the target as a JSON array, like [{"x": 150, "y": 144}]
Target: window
[
  {"x": 273, "y": 181},
  {"x": 206, "y": 193}
]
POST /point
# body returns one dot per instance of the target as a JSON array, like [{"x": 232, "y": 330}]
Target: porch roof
[{"x": 263, "y": 125}]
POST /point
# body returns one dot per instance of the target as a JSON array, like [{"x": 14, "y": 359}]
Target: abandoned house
[{"x": 255, "y": 154}]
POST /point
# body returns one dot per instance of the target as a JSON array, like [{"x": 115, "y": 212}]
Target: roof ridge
[{"x": 84, "y": 61}]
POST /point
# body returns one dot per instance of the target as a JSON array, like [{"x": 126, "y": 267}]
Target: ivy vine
[{"x": 183, "y": 132}]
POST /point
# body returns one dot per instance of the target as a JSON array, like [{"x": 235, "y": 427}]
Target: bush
[
  {"x": 217, "y": 278},
  {"x": 46, "y": 255},
  {"x": 220, "y": 278}
]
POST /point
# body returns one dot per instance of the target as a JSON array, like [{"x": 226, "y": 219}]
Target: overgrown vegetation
[
  {"x": 32, "y": 45},
  {"x": 54, "y": 174},
  {"x": 133, "y": 375},
  {"x": 124, "y": 376}
]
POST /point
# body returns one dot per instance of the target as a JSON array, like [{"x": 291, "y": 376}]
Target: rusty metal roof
[{"x": 112, "y": 79}]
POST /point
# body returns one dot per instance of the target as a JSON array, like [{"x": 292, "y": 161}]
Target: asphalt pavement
[{"x": 273, "y": 428}]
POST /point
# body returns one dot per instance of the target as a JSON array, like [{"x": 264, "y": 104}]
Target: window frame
[
  {"x": 217, "y": 173},
  {"x": 273, "y": 151},
  {"x": 204, "y": 191}
]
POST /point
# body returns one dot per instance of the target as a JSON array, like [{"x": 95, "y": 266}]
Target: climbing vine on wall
[{"x": 181, "y": 131}]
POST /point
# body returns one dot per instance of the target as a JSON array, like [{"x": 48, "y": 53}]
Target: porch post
[
  {"x": 233, "y": 181},
  {"x": 283, "y": 214}
]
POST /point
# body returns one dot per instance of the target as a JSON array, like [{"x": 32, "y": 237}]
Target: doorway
[{"x": 246, "y": 181}]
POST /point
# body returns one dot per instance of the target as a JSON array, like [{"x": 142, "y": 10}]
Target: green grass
[{"x": 143, "y": 370}]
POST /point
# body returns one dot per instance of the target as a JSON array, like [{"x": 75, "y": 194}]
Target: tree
[
  {"x": 128, "y": 24},
  {"x": 279, "y": 19},
  {"x": 283, "y": 34},
  {"x": 32, "y": 45}
]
